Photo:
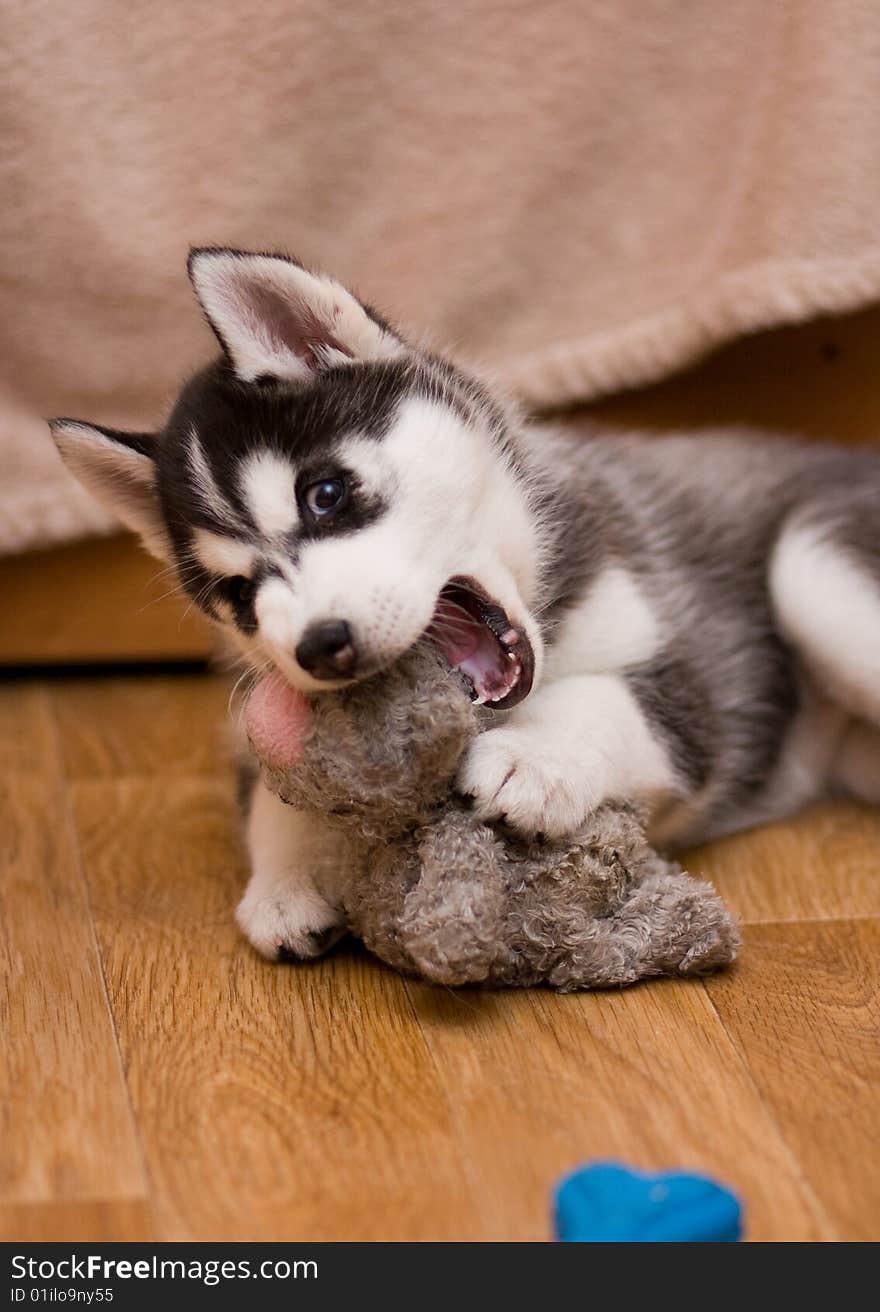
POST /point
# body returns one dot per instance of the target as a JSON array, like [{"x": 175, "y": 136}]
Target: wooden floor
[{"x": 159, "y": 1081}]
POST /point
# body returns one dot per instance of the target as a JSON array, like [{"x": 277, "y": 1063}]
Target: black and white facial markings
[{"x": 320, "y": 483}]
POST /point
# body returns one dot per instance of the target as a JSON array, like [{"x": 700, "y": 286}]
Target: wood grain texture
[
  {"x": 139, "y": 724},
  {"x": 67, "y": 1130},
  {"x": 816, "y": 866},
  {"x": 810, "y": 1036},
  {"x": 111, "y": 1220},
  {"x": 541, "y": 1084},
  {"x": 101, "y": 600},
  {"x": 340, "y": 1101},
  {"x": 273, "y": 1103}
]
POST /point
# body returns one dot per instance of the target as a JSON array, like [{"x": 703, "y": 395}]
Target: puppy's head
[{"x": 328, "y": 493}]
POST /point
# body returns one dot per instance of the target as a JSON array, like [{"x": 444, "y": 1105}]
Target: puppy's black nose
[{"x": 327, "y": 651}]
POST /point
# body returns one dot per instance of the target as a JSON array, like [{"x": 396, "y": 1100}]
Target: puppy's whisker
[{"x": 248, "y": 674}]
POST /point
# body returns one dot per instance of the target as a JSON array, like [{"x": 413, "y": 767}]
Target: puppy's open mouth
[{"x": 477, "y": 638}]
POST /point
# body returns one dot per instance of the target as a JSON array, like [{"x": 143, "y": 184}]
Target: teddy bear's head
[{"x": 379, "y": 757}]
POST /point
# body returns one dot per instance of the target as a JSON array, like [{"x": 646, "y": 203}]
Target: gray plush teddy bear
[{"x": 435, "y": 892}]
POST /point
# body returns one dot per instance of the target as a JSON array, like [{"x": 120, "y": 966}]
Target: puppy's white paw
[
  {"x": 513, "y": 777},
  {"x": 289, "y": 924}
]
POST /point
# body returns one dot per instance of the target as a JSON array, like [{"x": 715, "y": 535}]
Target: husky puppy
[{"x": 693, "y": 622}]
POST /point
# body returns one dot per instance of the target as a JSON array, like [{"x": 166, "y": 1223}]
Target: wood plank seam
[
  {"x": 99, "y": 954},
  {"x": 455, "y": 1117},
  {"x": 858, "y": 917},
  {"x": 819, "y": 1211}
]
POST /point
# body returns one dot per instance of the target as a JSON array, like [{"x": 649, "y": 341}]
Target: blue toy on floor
[{"x": 607, "y": 1203}]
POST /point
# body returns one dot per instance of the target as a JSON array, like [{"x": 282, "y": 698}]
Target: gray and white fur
[{"x": 689, "y": 623}]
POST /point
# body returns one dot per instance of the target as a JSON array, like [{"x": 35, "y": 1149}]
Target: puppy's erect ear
[
  {"x": 119, "y": 469},
  {"x": 274, "y": 318}
]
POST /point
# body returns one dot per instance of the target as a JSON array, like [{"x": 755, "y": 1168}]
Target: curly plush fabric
[{"x": 435, "y": 892}]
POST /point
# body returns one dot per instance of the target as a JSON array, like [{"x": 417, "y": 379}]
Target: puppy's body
[
  {"x": 691, "y": 622},
  {"x": 701, "y": 588}
]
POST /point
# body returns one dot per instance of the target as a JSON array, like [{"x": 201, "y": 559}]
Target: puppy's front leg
[
  {"x": 287, "y": 911},
  {"x": 573, "y": 745}
]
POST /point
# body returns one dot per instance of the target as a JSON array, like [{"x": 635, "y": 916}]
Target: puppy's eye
[
  {"x": 239, "y": 590},
  {"x": 325, "y": 497}
]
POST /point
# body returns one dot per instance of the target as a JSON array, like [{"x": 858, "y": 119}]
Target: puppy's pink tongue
[{"x": 276, "y": 720}]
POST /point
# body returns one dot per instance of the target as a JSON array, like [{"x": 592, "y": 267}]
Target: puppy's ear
[
  {"x": 120, "y": 470},
  {"x": 272, "y": 317}
]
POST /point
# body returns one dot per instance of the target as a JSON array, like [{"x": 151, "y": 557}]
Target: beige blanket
[{"x": 580, "y": 196}]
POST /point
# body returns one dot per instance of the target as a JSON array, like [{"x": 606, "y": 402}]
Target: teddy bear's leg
[
  {"x": 451, "y": 923},
  {"x": 289, "y": 909},
  {"x": 669, "y": 924}
]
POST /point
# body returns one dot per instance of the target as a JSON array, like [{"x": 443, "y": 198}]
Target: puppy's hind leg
[
  {"x": 287, "y": 911},
  {"x": 825, "y": 588}
]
